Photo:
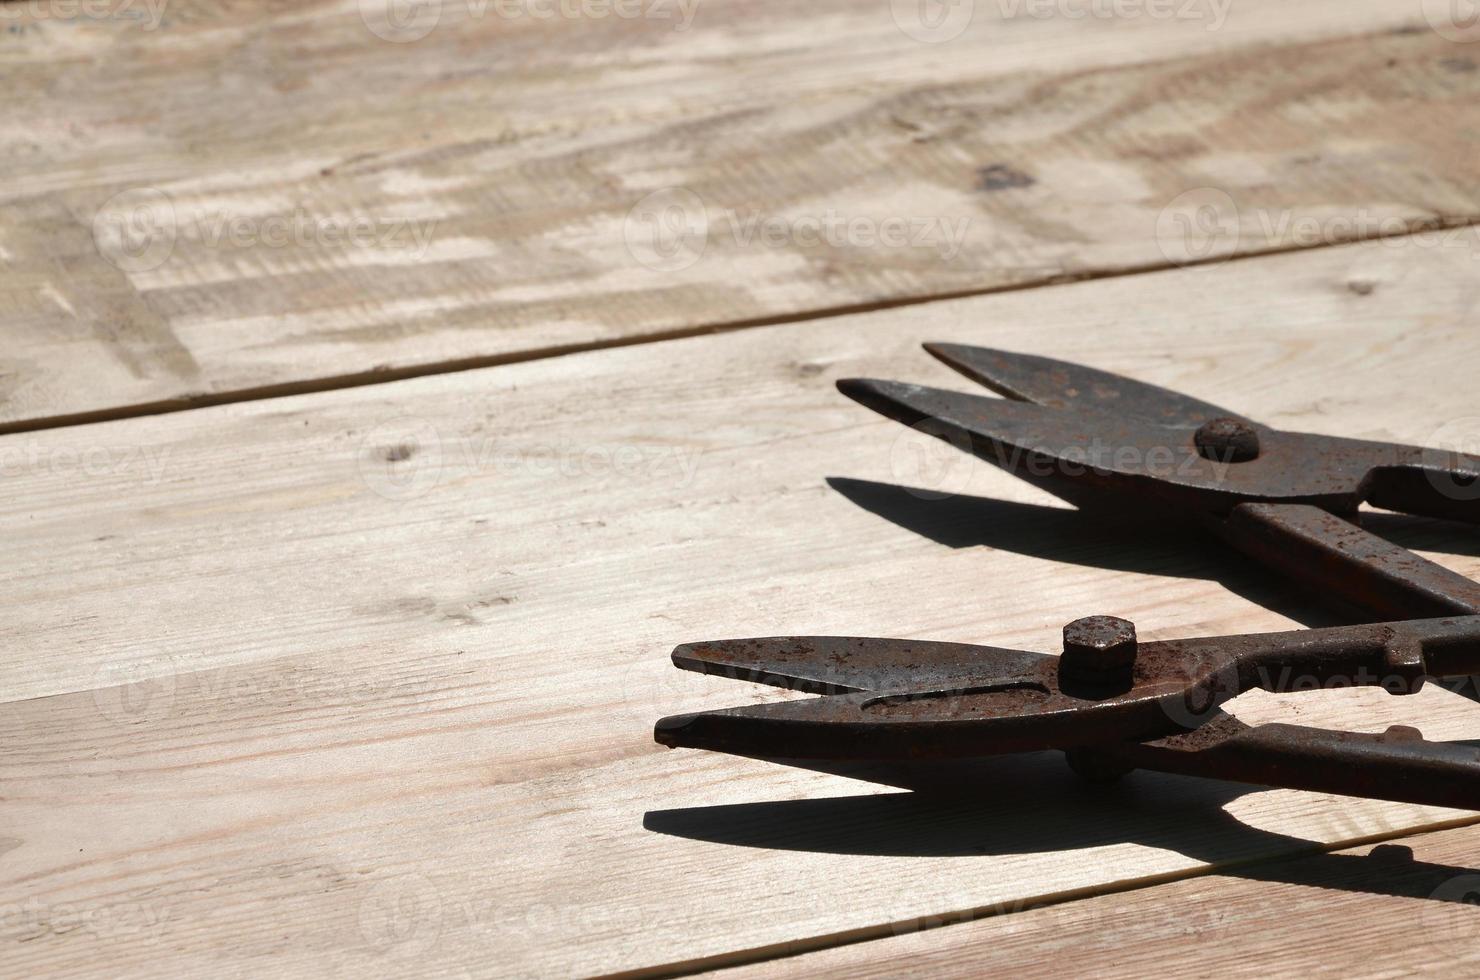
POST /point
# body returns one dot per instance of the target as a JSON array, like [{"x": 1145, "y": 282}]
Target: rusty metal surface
[
  {"x": 901, "y": 700},
  {"x": 1119, "y": 455},
  {"x": 1409, "y": 479},
  {"x": 1063, "y": 384},
  {"x": 1337, "y": 556},
  {"x": 985, "y": 701},
  {"x": 1395, "y": 765},
  {"x": 1097, "y": 438},
  {"x": 845, "y": 664},
  {"x": 1111, "y": 703}
]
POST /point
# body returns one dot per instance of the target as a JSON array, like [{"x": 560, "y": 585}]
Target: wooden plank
[
  {"x": 262, "y": 198},
  {"x": 367, "y": 678},
  {"x": 1393, "y": 910},
  {"x": 427, "y": 814}
]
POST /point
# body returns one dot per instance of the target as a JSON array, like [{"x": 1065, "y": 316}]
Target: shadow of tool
[
  {"x": 1032, "y": 803},
  {"x": 1127, "y": 541},
  {"x": 1425, "y": 533}
]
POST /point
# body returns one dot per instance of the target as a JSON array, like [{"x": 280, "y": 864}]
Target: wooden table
[{"x": 385, "y": 391}]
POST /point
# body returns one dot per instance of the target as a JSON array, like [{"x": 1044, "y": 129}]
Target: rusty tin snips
[
  {"x": 1288, "y": 499},
  {"x": 1110, "y": 703}
]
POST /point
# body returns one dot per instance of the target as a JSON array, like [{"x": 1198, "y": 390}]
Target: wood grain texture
[
  {"x": 255, "y": 197},
  {"x": 1394, "y": 910},
  {"x": 366, "y": 679}
]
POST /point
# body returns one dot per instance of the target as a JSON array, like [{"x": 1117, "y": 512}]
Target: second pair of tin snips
[{"x": 1110, "y": 702}]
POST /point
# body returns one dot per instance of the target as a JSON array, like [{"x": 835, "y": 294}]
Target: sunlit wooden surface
[{"x": 355, "y": 671}]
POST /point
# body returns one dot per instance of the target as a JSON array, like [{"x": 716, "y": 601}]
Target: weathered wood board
[
  {"x": 238, "y": 199},
  {"x": 365, "y": 679},
  {"x": 1393, "y": 910}
]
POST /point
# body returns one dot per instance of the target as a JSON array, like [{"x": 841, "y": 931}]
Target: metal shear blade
[
  {"x": 1287, "y": 498},
  {"x": 900, "y": 700},
  {"x": 1061, "y": 384},
  {"x": 844, "y": 664},
  {"x": 1125, "y": 454},
  {"x": 910, "y": 698},
  {"x": 1412, "y": 479}
]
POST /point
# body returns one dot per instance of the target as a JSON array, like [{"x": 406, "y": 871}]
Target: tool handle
[
  {"x": 1321, "y": 549},
  {"x": 1430, "y": 484},
  {"x": 1397, "y": 765}
]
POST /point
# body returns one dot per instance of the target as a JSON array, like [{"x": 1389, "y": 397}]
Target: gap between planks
[
  {"x": 350, "y": 596},
  {"x": 531, "y": 203},
  {"x": 1125, "y": 933},
  {"x": 961, "y": 917},
  {"x": 386, "y": 375}
]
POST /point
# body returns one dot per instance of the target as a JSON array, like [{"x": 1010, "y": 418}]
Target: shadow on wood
[
  {"x": 1033, "y": 804},
  {"x": 1108, "y": 536}
]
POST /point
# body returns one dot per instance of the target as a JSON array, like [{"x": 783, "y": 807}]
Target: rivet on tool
[
  {"x": 1403, "y": 658},
  {"x": 1099, "y": 650},
  {"x": 1227, "y": 441}
]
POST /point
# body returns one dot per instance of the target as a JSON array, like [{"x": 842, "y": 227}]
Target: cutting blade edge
[{"x": 1064, "y": 384}]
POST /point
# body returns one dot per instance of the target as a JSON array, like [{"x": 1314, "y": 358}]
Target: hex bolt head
[
  {"x": 1098, "y": 650},
  {"x": 1227, "y": 441}
]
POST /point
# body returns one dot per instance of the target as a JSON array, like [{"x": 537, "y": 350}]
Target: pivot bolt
[
  {"x": 1099, "y": 650},
  {"x": 1227, "y": 441}
]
